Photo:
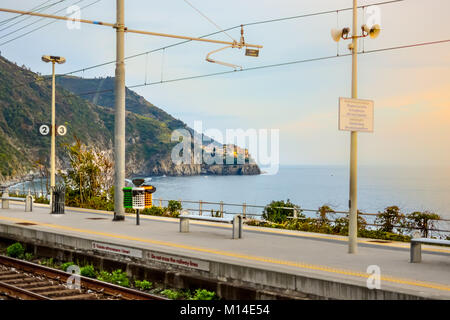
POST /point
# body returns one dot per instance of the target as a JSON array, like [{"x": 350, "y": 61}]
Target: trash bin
[
  {"x": 138, "y": 198},
  {"x": 127, "y": 197},
  {"x": 58, "y": 199},
  {"x": 148, "y": 195}
]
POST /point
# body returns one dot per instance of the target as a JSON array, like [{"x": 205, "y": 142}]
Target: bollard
[
  {"x": 237, "y": 227},
  {"x": 244, "y": 209},
  {"x": 200, "y": 207},
  {"x": 221, "y": 209},
  {"x": 184, "y": 224},
  {"x": 29, "y": 203},
  {"x": 160, "y": 202},
  {"x": 5, "y": 202}
]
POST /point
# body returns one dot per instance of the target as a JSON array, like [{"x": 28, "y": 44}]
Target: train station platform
[{"x": 288, "y": 261}]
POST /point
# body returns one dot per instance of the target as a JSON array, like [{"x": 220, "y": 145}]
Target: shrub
[
  {"x": 390, "y": 218},
  {"x": 28, "y": 256},
  {"x": 172, "y": 294},
  {"x": 116, "y": 277},
  {"x": 48, "y": 262},
  {"x": 274, "y": 211},
  {"x": 64, "y": 266},
  {"x": 383, "y": 235},
  {"x": 143, "y": 285},
  {"x": 88, "y": 271},
  {"x": 203, "y": 294},
  {"x": 341, "y": 225},
  {"x": 174, "y": 207},
  {"x": 154, "y": 211},
  {"x": 423, "y": 221},
  {"x": 15, "y": 250},
  {"x": 323, "y": 213},
  {"x": 104, "y": 276}
]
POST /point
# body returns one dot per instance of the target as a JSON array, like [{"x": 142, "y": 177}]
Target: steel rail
[
  {"x": 17, "y": 292},
  {"x": 88, "y": 283}
]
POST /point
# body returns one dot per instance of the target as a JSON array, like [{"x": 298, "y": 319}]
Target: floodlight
[
  {"x": 365, "y": 29},
  {"x": 336, "y": 34},
  {"x": 374, "y": 31},
  {"x": 59, "y": 60},
  {"x": 46, "y": 59}
]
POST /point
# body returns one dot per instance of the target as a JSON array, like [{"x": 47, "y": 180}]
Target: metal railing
[{"x": 218, "y": 209}]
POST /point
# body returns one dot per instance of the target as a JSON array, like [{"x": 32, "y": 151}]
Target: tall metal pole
[
  {"x": 119, "y": 122},
  {"x": 353, "y": 217},
  {"x": 52, "y": 147}
]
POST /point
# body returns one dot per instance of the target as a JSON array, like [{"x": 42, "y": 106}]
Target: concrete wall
[{"x": 230, "y": 281}]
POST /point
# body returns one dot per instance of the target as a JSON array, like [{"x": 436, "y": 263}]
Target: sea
[{"x": 409, "y": 188}]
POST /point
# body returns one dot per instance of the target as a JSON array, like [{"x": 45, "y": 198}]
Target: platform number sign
[
  {"x": 62, "y": 130},
  {"x": 44, "y": 129}
]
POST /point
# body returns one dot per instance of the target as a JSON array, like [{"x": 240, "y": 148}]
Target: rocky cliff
[{"x": 25, "y": 99}]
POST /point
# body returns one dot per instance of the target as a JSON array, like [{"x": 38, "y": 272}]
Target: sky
[{"x": 410, "y": 87}]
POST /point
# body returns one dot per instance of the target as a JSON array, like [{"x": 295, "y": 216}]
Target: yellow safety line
[
  {"x": 275, "y": 231},
  {"x": 393, "y": 244},
  {"x": 242, "y": 256}
]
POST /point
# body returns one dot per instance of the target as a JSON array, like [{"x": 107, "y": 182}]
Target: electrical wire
[
  {"x": 38, "y": 28},
  {"x": 34, "y": 9},
  {"x": 40, "y": 9},
  {"x": 214, "y": 33},
  {"x": 260, "y": 22},
  {"x": 211, "y": 21},
  {"x": 269, "y": 66}
]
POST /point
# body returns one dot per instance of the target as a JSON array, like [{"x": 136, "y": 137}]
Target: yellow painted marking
[
  {"x": 394, "y": 244},
  {"x": 242, "y": 256}
]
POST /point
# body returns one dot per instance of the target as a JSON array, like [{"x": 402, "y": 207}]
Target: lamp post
[
  {"x": 373, "y": 32},
  {"x": 53, "y": 60}
]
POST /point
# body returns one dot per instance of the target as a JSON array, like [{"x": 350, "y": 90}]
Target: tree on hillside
[{"x": 90, "y": 176}]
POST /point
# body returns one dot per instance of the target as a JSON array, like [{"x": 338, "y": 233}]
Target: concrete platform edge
[{"x": 297, "y": 286}]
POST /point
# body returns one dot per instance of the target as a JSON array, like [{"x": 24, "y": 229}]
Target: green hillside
[{"x": 25, "y": 104}]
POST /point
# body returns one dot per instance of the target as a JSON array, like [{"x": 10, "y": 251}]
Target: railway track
[{"x": 29, "y": 281}]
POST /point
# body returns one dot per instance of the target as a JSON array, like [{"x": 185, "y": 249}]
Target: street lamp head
[
  {"x": 46, "y": 59},
  {"x": 59, "y": 60}
]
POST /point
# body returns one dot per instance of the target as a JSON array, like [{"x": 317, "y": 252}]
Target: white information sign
[
  {"x": 44, "y": 129},
  {"x": 185, "y": 262},
  {"x": 356, "y": 115},
  {"x": 110, "y": 248},
  {"x": 62, "y": 130}
]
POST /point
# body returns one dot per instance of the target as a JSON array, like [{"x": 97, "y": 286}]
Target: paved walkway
[{"x": 293, "y": 252}]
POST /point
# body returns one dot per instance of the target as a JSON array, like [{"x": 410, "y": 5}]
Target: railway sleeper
[
  {"x": 61, "y": 292},
  {"x": 12, "y": 276},
  {"x": 34, "y": 284},
  {"x": 20, "y": 280},
  {"x": 39, "y": 289},
  {"x": 85, "y": 296}
]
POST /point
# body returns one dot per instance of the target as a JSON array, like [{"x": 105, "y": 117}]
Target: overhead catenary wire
[
  {"x": 31, "y": 31},
  {"x": 214, "y": 33},
  {"x": 6, "y": 21},
  {"x": 268, "y": 66},
  {"x": 210, "y": 20},
  {"x": 36, "y": 9}
]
